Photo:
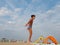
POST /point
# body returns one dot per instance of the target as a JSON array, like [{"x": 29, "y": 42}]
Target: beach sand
[
  {"x": 19, "y": 43},
  {"x": 15, "y": 43}
]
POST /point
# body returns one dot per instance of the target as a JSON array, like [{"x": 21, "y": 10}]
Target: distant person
[{"x": 29, "y": 24}]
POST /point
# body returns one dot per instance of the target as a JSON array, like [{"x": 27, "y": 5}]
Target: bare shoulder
[{"x": 30, "y": 18}]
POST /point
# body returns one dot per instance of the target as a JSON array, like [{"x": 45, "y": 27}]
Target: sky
[{"x": 14, "y": 14}]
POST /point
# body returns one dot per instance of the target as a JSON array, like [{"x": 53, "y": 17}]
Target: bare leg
[{"x": 30, "y": 34}]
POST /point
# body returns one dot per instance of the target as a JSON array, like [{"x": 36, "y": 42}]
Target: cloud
[
  {"x": 6, "y": 11},
  {"x": 12, "y": 20},
  {"x": 3, "y": 11},
  {"x": 18, "y": 9}
]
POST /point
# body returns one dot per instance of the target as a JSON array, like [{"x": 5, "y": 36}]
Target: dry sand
[
  {"x": 14, "y": 43},
  {"x": 19, "y": 43}
]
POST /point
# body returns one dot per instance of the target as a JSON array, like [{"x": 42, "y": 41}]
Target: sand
[
  {"x": 14, "y": 43},
  {"x": 20, "y": 43}
]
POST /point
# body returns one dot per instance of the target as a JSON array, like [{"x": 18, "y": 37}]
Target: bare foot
[{"x": 29, "y": 41}]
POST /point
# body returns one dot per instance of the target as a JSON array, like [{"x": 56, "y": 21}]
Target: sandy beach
[
  {"x": 21, "y": 43},
  {"x": 14, "y": 43}
]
